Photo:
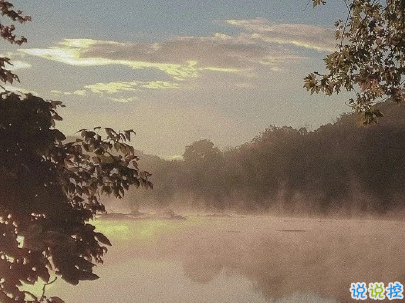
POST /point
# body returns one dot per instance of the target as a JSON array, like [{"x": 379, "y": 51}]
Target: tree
[
  {"x": 370, "y": 56},
  {"x": 202, "y": 150},
  {"x": 50, "y": 189},
  {"x": 203, "y": 168}
]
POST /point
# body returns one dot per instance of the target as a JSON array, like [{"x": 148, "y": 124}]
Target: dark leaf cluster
[
  {"x": 51, "y": 188},
  {"x": 49, "y": 191},
  {"x": 7, "y": 33},
  {"x": 370, "y": 56}
]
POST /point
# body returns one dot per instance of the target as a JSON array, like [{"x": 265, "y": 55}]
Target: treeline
[{"x": 342, "y": 167}]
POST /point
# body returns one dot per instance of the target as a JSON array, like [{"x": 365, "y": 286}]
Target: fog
[
  {"x": 234, "y": 258},
  {"x": 339, "y": 169}
]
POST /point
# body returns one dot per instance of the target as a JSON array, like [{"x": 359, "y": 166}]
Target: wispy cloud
[
  {"x": 87, "y": 52},
  {"x": 179, "y": 57},
  {"x": 79, "y": 92},
  {"x": 16, "y": 61},
  {"x": 110, "y": 88},
  {"x": 260, "y": 47},
  {"x": 76, "y": 52},
  {"x": 115, "y": 87},
  {"x": 300, "y": 35},
  {"x": 124, "y": 100},
  {"x": 17, "y": 89},
  {"x": 17, "y": 64}
]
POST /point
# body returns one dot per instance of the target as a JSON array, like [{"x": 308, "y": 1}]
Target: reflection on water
[{"x": 242, "y": 259}]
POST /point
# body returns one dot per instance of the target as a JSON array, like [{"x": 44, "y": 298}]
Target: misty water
[{"x": 240, "y": 259}]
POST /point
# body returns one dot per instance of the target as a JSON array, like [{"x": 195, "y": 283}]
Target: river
[{"x": 240, "y": 259}]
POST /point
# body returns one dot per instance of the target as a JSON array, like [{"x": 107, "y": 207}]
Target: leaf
[
  {"x": 128, "y": 134},
  {"x": 55, "y": 104},
  {"x": 70, "y": 279},
  {"x": 57, "y": 117},
  {"x": 44, "y": 274},
  {"x": 58, "y": 135},
  {"x": 55, "y": 300},
  {"x": 84, "y": 275},
  {"x": 102, "y": 238},
  {"x": 110, "y": 132},
  {"x": 117, "y": 146}
]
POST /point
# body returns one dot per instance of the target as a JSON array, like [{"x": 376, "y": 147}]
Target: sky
[{"x": 178, "y": 71}]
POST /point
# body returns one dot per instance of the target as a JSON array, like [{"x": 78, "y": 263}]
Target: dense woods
[{"x": 343, "y": 167}]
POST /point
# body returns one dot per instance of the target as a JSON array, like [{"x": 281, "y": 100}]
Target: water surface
[{"x": 241, "y": 259}]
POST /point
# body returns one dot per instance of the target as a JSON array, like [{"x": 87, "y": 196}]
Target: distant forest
[{"x": 344, "y": 167}]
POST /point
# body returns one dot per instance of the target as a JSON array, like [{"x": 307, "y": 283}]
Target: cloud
[
  {"x": 120, "y": 87},
  {"x": 111, "y": 87},
  {"x": 180, "y": 57},
  {"x": 18, "y": 90},
  {"x": 159, "y": 85},
  {"x": 75, "y": 52},
  {"x": 17, "y": 64},
  {"x": 220, "y": 52},
  {"x": 300, "y": 35},
  {"x": 260, "y": 48},
  {"x": 124, "y": 100},
  {"x": 115, "y": 87},
  {"x": 87, "y": 52},
  {"x": 79, "y": 92}
]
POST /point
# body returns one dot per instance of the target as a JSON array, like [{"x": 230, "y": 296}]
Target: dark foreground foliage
[
  {"x": 49, "y": 190},
  {"x": 370, "y": 56}
]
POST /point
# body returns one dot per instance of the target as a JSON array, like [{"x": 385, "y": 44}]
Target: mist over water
[
  {"x": 241, "y": 259},
  {"x": 352, "y": 174}
]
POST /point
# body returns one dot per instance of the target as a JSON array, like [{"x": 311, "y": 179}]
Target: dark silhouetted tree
[
  {"x": 370, "y": 56},
  {"x": 50, "y": 189},
  {"x": 202, "y": 150}
]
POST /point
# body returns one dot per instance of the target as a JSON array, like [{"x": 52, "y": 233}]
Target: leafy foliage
[
  {"x": 370, "y": 56},
  {"x": 50, "y": 189},
  {"x": 7, "y": 33},
  {"x": 203, "y": 150}
]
